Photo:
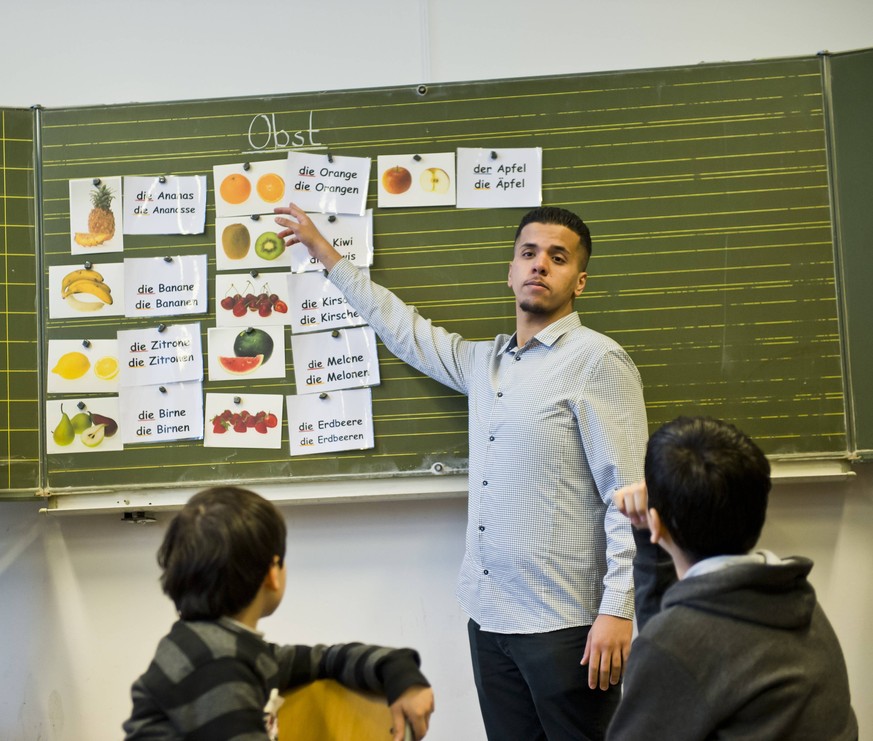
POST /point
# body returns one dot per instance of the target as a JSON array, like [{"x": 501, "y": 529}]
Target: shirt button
[
  {"x": 499, "y": 394},
  {"x": 491, "y": 438},
  {"x": 481, "y": 528},
  {"x": 518, "y": 357},
  {"x": 484, "y": 483},
  {"x": 485, "y": 572}
]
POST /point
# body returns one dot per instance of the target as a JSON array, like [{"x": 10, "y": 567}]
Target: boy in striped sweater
[{"x": 214, "y": 676}]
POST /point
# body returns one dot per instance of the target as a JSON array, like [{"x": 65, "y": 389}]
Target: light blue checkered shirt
[{"x": 555, "y": 428}]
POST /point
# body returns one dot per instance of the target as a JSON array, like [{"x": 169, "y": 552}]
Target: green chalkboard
[
  {"x": 851, "y": 91},
  {"x": 19, "y": 357},
  {"x": 706, "y": 189}
]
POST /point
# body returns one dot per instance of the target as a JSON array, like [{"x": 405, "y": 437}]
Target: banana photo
[{"x": 86, "y": 292}]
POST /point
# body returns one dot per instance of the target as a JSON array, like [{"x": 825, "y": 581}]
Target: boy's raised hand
[
  {"x": 633, "y": 501},
  {"x": 300, "y": 229},
  {"x": 414, "y": 706}
]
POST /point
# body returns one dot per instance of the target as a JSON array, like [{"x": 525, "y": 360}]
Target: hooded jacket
[{"x": 743, "y": 652}]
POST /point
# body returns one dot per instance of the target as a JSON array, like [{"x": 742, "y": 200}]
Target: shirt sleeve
[
  {"x": 612, "y": 423},
  {"x": 436, "y": 352},
  {"x": 385, "y": 671}
]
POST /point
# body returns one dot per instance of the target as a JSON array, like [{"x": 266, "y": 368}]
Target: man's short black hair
[
  {"x": 561, "y": 217},
  {"x": 710, "y": 484},
  {"x": 217, "y": 551}
]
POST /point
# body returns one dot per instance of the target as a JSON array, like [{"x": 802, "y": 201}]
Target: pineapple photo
[{"x": 101, "y": 220}]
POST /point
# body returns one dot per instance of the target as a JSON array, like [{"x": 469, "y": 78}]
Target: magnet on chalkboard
[
  {"x": 335, "y": 333},
  {"x": 247, "y": 166},
  {"x": 237, "y": 400},
  {"x": 254, "y": 273},
  {"x": 493, "y": 155},
  {"x": 168, "y": 259},
  {"x": 416, "y": 157},
  {"x": 161, "y": 327},
  {"x": 255, "y": 217},
  {"x": 322, "y": 395},
  {"x": 162, "y": 389},
  {"x": 96, "y": 181},
  {"x": 162, "y": 179},
  {"x": 80, "y": 405},
  {"x": 331, "y": 218},
  {"x": 330, "y": 158},
  {"x": 87, "y": 265},
  {"x": 421, "y": 89},
  {"x": 86, "y": 343}
]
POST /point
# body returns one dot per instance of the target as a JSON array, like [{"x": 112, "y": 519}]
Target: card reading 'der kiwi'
[
  {"x": 351, "y": 236},
  {"x": 328, "y": 184},
  {"x": 249, "y": 188},
  {"x": 82, "y": 425},
  {"x": 246, "y": 242},
  {"x": 165, "y": 286},
  {"x": 241, "y": 355},
  {"x": 253, "y": 298},
  {"x": 416, "y": 180}
]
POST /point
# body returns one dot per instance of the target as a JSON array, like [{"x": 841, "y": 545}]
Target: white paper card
[
  {"x": 500, "y": 178},
  {"x": 330, "y": 422},
  {"x": 155, "y": 356},
  {"x": 80, "y": 292},
  {"x": 89, "y": 209},
  {"x": 246, "y": 242},
  {"x": 82, "y": 367},
  {"x": 155, "y": 414},
  {"x": 351, "y": 236},
  {"x": 243, "y": 421},
  {"x": 249, "y": 188},
  {"x": 243, "y": 299},
  {"x": 165, "y": 286},
  {"x": 338, "y": 187},
  {"x": 82, "y": 425},
  {"x": 316, "y": 304},
  {"x": 416, "y": 180},
  {"x": 329, "y": 361},
  {"x": 165, "y": 205},
  {"x": 254, "y": 352}
]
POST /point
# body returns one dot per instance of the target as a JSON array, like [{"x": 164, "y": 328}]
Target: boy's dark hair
[
  {"x": 709, "y": 483},
  {"x": 561, "y": 217},
  {"x": 217, "y": 551}
]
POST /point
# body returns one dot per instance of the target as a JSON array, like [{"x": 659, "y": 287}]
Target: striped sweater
[{"x": 211, "y": 680}]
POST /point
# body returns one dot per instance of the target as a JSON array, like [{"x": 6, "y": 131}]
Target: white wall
[{"x": 80, "y": 609}]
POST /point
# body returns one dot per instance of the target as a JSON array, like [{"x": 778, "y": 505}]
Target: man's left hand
[{"x": 606, "y": 650}]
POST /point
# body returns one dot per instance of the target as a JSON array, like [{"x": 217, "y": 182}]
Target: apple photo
[
  {"x": 82, "y": 367},
  {"x": 251, "y": 188},
  {"x": 416, "y": 180},
  {"x": 246, "y": 354},
  {"x": 82, "y": 425},
  {"x": 243, "y": 421},
  {"x": 243, "y": 299},
  {"x": 249, "y": 242}
]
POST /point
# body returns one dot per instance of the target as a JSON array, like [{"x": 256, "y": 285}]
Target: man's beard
[{"x": 532, "y": 307}]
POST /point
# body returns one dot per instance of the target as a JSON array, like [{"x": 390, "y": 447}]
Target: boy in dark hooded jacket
[{"x": 741, "y": 648}]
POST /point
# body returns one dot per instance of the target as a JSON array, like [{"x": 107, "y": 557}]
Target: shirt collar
[{"x": 548, "y": 336}]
